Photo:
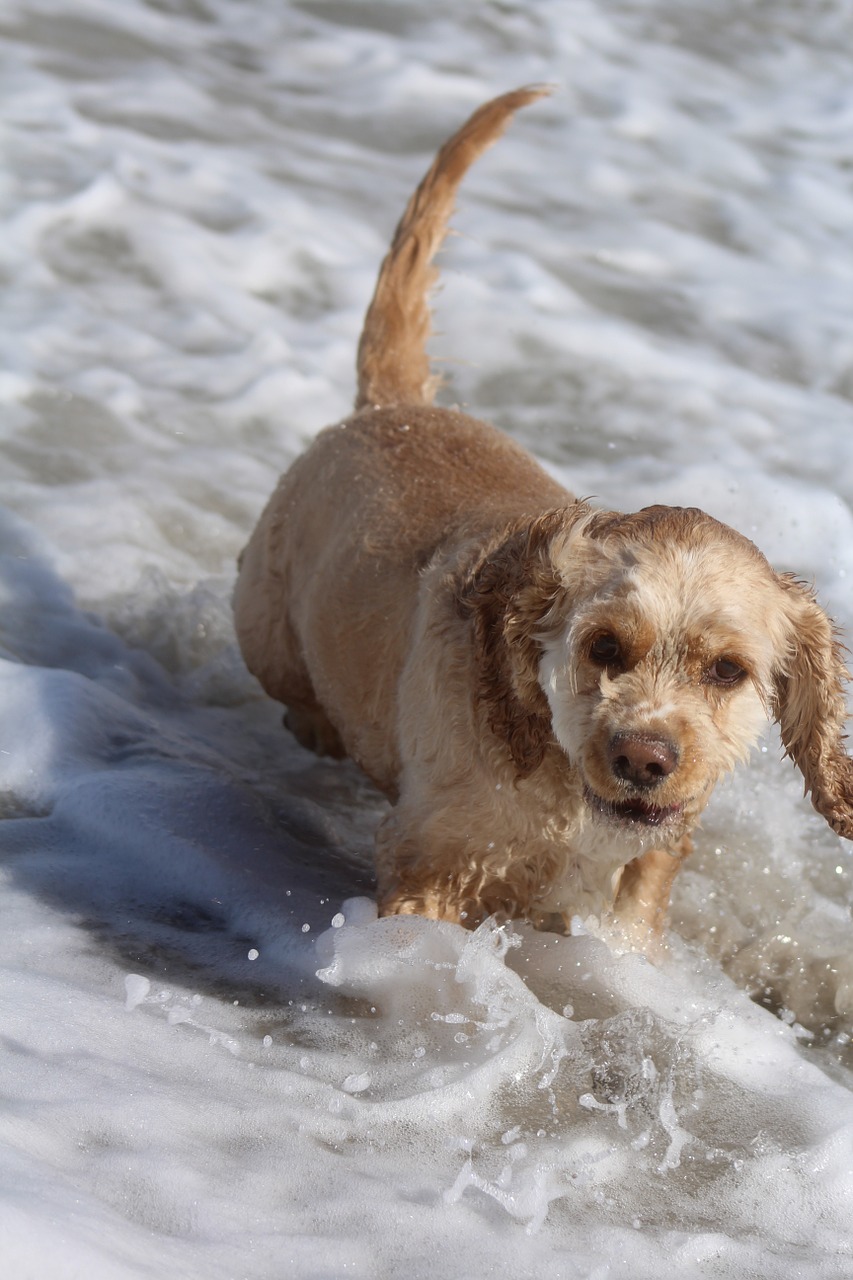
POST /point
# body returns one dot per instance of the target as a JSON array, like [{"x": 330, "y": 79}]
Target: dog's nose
[{"x": 643, "y": 759}]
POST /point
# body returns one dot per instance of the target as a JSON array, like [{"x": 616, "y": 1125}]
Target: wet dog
[{"x": 546, "y": 692}]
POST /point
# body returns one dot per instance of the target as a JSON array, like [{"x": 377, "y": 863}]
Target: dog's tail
[{"x": 393, "y": 365}]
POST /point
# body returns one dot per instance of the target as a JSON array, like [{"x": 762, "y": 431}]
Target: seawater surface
[{"x": 215, "y": 1061}]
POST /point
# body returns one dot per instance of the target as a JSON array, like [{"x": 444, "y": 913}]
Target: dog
[{"x": 547, "y": 693}]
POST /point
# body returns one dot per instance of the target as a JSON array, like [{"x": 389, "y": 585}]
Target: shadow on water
[{"x": 181, "y": 836}]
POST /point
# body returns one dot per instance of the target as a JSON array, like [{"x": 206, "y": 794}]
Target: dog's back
[{"x": 328, "y": 588}]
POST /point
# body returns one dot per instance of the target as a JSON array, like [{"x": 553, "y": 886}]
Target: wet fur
[{"x": 423, "y": 597}]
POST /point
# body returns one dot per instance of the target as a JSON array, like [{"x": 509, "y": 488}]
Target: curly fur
[{"x": 547, "y": 693}]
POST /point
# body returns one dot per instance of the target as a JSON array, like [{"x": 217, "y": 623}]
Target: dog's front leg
[
  {"x": 409, "y": 882},
  {"x": 642, "y": 899},
  {"x": 425, "y": 871}
]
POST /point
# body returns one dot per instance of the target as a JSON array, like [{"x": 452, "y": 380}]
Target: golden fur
[{"x": 547, "y": 693}]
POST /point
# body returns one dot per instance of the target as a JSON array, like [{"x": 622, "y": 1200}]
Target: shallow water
[{"x": 215, "y": 1061}]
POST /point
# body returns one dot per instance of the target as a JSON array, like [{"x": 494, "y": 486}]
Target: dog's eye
[
  {"x": 724, "y": 671},
  {"x": 606, "y": 650}
]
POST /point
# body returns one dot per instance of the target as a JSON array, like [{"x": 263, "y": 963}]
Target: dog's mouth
[{"x": 634, "y": 810}]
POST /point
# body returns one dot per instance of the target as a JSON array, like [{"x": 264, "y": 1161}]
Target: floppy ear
[
  {"x": 810, "y": 706},
  {"x": 507, "y": 596}
]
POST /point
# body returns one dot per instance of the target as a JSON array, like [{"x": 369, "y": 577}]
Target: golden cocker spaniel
[{"x": 546, "y": 692}]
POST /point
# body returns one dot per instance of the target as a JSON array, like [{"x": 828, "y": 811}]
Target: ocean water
[{"x": 214, "y": 1061}]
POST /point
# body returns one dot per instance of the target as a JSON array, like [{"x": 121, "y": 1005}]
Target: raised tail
[{"x": 393, "y": 365}]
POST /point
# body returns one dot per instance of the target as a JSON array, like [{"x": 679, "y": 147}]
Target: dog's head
[{"x": 652, "y": 647}]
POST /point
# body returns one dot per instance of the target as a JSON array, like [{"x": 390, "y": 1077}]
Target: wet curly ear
[
  {"x": 506, "y": 596},
  {"x": 810, "y": 705}
]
